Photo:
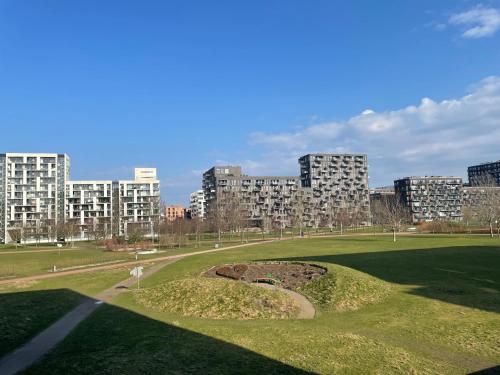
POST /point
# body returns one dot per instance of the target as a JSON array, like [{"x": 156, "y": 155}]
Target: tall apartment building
[
  {"x": 431, "y": 198},
  {"x": 89, "y": 207},
  {"x": 32, "y": 192},
  {"x": 138, "y": 202},
  {"x": 197, "y": 204},
  {"x": 327, "y": 182},
  {"x": 262, "y": 198},
  {"x": 337, "y": 181},
  {"x": 36, "y": 194},
  {"x": 477, "y": 173}
]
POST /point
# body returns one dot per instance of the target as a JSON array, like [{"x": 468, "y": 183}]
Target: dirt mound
[
  {"x": 283, "y": 274},
  {"x": 235, "y": 272}
]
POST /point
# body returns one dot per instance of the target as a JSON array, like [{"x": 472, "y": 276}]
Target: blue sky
[{"x": 183, "y": 85}]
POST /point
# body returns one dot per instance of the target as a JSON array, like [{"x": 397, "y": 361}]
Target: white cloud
[
  {"x": 480, "y": 22},
  {"x": 433, "y": 137}
]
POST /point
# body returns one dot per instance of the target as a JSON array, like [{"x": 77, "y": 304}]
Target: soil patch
[{"x": 283, "y": 274}]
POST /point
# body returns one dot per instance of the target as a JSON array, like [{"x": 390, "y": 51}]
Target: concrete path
[
  {"x": 45, "y": 341},
  {"x": 307, "y": 310}
]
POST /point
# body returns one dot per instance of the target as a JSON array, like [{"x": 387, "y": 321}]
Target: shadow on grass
[
  {"x": 24, "y": 314},
  {"x": 113, "y": 340},
  {"x": 466, "y": 276}
]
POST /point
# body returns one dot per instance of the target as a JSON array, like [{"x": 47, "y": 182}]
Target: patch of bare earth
[{"x": 283, "y": 274}]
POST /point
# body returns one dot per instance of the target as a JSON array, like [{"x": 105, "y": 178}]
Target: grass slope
[
  {"x": 217, "y": 299},
  {"x": 344, "y": 289}
]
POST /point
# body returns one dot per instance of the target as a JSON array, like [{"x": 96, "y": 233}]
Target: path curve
[
  {"x": 128, "y": 263},
  {"x": 307, "y": 310}
]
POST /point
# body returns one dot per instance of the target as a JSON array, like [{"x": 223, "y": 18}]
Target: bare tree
[
  {"x": 16, "y": 235},
  {"x": 342, "y": 218},
  {"x": 51, "y": 229},
  {"x": 390, "y": 212},
  {"x": 298, "y": 211},
  {"x": 467, "y": 214},
  {"x": 217, "y": 217},
  {"x": 27, "y": 232},
  {"x": 488, "y": 209},
  {"x": 135, "y": 233}
]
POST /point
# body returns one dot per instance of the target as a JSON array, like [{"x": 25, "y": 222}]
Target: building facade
[
  {"x": 37, "y": 198},
  {"x": 431, "y": 198},
  {"x": 262, "y": 200},
  {"x": 339, "y": 182},
  {"x": 89, "y": 208},
  {"x": 174, "y": 212},
  {"x": 32, "y": 194},
  {"x": 479, "y": 174},
  {"x": 138, "y": 202},
  {"x": 381, "y": 193},
  {"x": 197, "y": 204},
  {"x": 327, "y": 183}
]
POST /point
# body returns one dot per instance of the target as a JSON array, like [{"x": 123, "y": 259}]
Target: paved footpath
[
  {"x": 41, "y": 344},
  {"x": 306, "y": 308}
]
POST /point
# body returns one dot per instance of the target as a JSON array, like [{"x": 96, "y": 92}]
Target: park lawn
[
  {"x": 26, "y": 308},
  {"x": 32, "y": 260},
  {"x": 441, "y": 316}
]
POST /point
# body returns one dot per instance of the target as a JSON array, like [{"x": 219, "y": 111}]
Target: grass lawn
[
  {"x": 29, "y": 307},
  {"x": 36, "y": 260},
  {"x": 441, "y": 314}
]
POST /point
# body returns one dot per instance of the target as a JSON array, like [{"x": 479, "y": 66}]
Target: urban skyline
[{"x": 398, "y": 91}]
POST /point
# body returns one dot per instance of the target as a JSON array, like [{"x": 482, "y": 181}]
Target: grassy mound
[
  {"x": 217, "y": 299},
  {"x": 344, "y": 289}
]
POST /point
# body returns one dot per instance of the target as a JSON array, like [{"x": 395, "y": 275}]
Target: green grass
[
  {"x": 29, "y": 307},
  {"x": 344, "y": 289},
  {"x": 32, "y": 260},
  {"x": 425, "y": 304},
  {"x": 217, "y": 299}
]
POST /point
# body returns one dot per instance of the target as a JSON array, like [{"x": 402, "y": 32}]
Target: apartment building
[
  {"x": 431, "y": 197},
  {"x": 89, "y": 207},
  {"x": 478, "y": 173},
  {"x": 32, "y": 194},
  {"x": 380, "y": 193},
  {"x": 138, "y": 202},
  {"x": 337, "y": 182},
  {"x": 174, "y": 212},
  {"x": 197, "y": 204},
  {"x": 327, "y": 182},
  {"x": 264, "y": 200},
  {"x": 37, "y": 196}
]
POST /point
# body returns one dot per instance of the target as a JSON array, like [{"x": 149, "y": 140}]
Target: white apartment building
[
  {"x": 37, "y": 196},
  {"x": 32, "y": 193},
  {"x": 139, "y": 202},
  {"x": 89, "y": 207},
  {"x": 197, "y": 204}
]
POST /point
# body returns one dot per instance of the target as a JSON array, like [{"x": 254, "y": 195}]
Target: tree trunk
[
  {"x": 394, "y": 234},
  {"x": 491, "y": 230}
]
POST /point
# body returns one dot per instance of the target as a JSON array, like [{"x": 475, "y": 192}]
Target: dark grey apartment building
[
  {"x": 261, "y": 197},
  {"x": 477, "y": 173},
  {"x": 327, "y": 182},
  {"x": 337, "y": 182},
  {"x": 431, "y": 197}
]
